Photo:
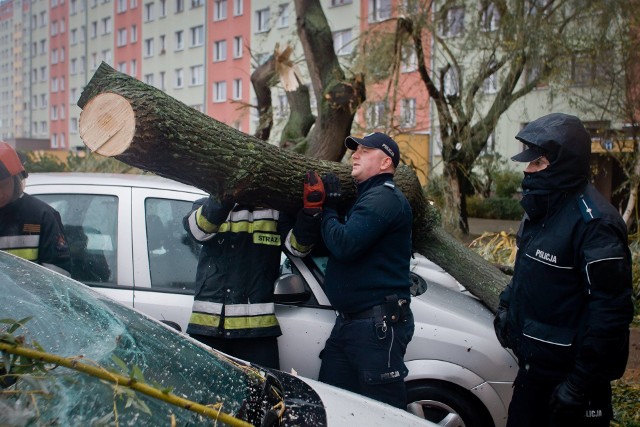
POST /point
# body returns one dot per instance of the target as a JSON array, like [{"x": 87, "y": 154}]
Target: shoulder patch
[
  {"x": 389, "y": 184},
  {"x": 587, "y": 207}
]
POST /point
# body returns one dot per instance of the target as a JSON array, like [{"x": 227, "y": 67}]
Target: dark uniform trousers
[
  {"x": 365, "y": 357},
  {"x": 530, "y": 405}
]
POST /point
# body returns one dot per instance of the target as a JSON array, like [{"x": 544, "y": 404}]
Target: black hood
[{"x": 567, "y": 146}]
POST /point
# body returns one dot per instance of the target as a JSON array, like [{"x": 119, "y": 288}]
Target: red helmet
[{"x": 10, "y": 164}]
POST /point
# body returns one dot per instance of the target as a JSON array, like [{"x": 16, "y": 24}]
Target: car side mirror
[{"x": 290, "y": 289}]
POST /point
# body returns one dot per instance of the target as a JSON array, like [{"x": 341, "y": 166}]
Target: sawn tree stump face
[
  {"x": 107, "y": 124},
  {"x": 145, "y": 128}
]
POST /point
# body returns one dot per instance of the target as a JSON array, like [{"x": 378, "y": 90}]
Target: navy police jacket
[
  {"x": 569, "y": 303},
  {"x": 369, "y": 252}
]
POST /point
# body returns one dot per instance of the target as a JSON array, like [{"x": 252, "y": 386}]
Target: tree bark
[{"x": 144, "y": 127}]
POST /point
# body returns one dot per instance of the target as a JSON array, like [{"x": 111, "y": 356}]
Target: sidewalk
[{"x": 477, "y": 226}]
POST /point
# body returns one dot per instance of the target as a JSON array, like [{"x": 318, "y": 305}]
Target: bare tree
[{"x": 484, "y": 56}]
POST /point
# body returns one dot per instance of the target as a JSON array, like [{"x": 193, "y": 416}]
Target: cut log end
[{"x": 107, "y": 124}]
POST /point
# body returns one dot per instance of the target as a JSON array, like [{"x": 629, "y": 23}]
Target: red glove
[{"x": 313, "y": 190}]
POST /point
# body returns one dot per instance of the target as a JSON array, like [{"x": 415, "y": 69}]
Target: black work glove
[
  {"x": 567, "y": 401},
  {"x": 313, "y": 194},
  {"x": 215, "y": 211},
  {"x": 500, "y": 326},
  {"x": 332, "y": 190}
]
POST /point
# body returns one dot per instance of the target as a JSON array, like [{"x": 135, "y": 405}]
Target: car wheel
[{"x": 446, "y": 404}]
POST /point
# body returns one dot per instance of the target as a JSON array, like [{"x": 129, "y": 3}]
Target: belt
[{"x": 379, "y": 311}]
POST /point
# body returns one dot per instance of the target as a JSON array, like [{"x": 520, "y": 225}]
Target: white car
[{"x": 458, "y": 372}]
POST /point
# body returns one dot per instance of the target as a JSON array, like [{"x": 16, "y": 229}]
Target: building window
[
  {"x": 163, "y": 8},
  {"x": 490, "y": 84},
  {"x": 282, "y": 106},
  {"x": 196, "y": 3},
  {"x": 122, "y": 6},
  {"x": 376, "y": 114},
  {"x": 219, "y": 10},
  {"x": 179, "y": 78},
  {"x": 179, "y": 40},
  {"x": 122, "y": 37},
  {"x": 106, "y": 25},
  {"x": 162, "y": 80},
  {"x": 237, "y": 47},
  {"x": 94, "y": 29},
  {"x": 237, "y": 89},
  {"x": 342, "y": 42},
  {"x": 283, "y": 15},
  {"x": 148, "y": 47},
  {"x": 335, "y": 3},
  {"x": 452, "y": 82},
  {"x": 197, "y": 75},
  {"x": 490, "y": 17},
  {"x": 452, "y": 23},
  {"x": 148, "y": 79},
  {"x": 134, "y": 33},
  {"x": 149, "y": 13},
  {"x": 237, "y": 7},
  {"x": 379, "y": 10},
  {"x": 122, "y": 67},
  {"x": 219, "y": 91},
  {"x": 133, "y": 4},
  {"x": 134, "y": 68},
  {"x": 197, "y": 36},
  {"x": 73, "y": 125},
  {"x": 409, "y": 59},
  {"x": 179, "y": 6},
  {"x": 73, "y": 66},
  {"x": 408, "y": 112},
  {"x": 262, "y": 20},
  {"x": 219, "y": 50},
  {"x": 54, "y": 56}
]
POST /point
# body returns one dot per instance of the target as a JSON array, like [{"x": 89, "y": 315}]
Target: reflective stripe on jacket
[
  {"x": 31, "y": 229},
  {"x": 239, "y": 263}
]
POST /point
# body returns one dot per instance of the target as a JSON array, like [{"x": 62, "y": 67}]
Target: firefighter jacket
[
  {"x": 569, "y": 303},
  {"x": 238, "y": 265},
  {"x": 369, "y": 251},
  {"x": 31, "y": 229}
]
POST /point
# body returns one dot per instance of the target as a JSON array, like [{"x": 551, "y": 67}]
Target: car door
[
  {"x": 305, "y": 325},
  {"x": 164, "y": 256},
  {"x": 98, "y": 229}
]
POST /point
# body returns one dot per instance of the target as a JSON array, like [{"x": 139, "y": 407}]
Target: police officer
[
  {"x": 233, "y": 310},
  {"x": 29, "y": 228},
  {"x": 567, "y": 309},
  {"x": 367, "y": 276}
]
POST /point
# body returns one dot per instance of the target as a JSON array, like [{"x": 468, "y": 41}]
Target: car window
[
  {"x": 173, "y": 255},
  {"x": 90, "y": 223}
]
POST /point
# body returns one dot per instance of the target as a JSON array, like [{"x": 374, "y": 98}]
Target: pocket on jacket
[{"x": 546, "y": 346}]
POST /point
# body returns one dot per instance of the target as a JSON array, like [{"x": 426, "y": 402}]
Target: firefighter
[
  {"x": 29, "y": 228},
  {"x": 567, "y": 309},
  {"x": 233, "y": 310}
]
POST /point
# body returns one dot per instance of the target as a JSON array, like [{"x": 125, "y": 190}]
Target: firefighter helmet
[{"x": 10, "y": 162}]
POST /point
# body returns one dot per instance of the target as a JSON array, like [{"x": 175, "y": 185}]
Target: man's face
[
  {"x": 537, "y": 165},
  {"x": 367, "y": 162},
  {"x": 6, "y": 191}
]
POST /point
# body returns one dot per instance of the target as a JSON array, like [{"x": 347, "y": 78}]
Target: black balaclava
[{"x": 567, "y": 145}]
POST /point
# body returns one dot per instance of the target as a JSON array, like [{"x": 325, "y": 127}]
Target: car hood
[{"x": 462, "y": 328}]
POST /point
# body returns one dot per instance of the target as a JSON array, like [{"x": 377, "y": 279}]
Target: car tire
[{"x": 446, "y": 404}]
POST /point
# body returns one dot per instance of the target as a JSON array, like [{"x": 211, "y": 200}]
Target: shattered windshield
[{"x": 71, "y": 320}]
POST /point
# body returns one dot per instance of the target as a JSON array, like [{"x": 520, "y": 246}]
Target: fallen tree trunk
[{"x": 144, "y": 127}]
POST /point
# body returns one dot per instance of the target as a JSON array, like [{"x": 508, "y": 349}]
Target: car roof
[{"x": 109, "y": 179}]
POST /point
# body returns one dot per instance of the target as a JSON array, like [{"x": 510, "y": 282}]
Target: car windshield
[{"x": 71, "y": 320}]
